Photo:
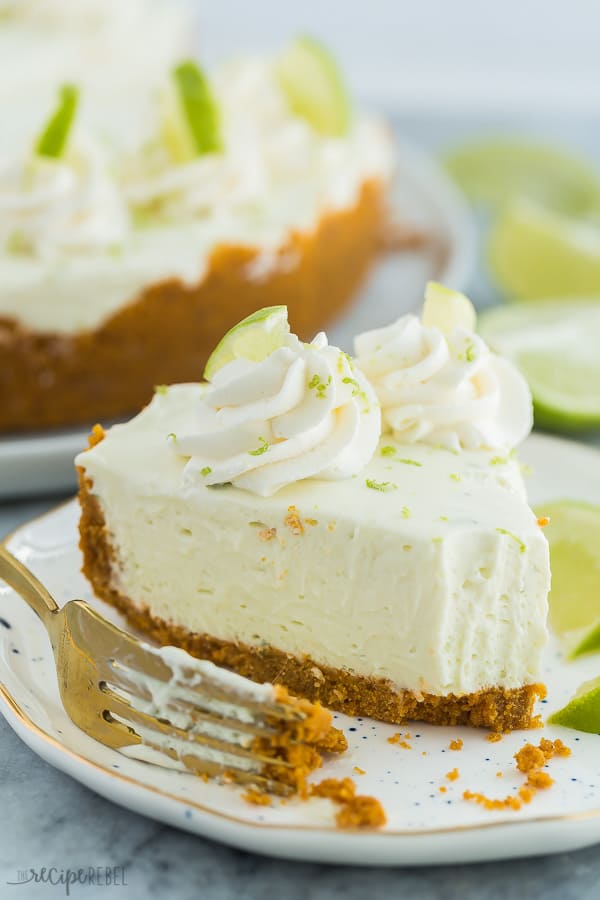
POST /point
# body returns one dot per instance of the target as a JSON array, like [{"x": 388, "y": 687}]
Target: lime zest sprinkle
[
  {"x": 443, "y": 518},
  {"x": 388, "y": 451},
  {"x": 262, "y": 449},
  {"x": 355, "y": 385},
  {"x": 522, "y": 547},
  {"x": 470, "y": 354},
  {"x": 410, "y": 462},
  {"x": 172, "y": 436},
  {"x": 498, "y": 460},
  {"x": 315, "y": 383},
  {"x": 455, "y": 476},
  {"x": 344, "y": 357},
  {"x": 357, "y": 392},
  {"x": 205, "y": 471},
  {"x": 405, "y": 512},
  {"x": 437, "y": 540},
  {"x": 383, "y": 486},
  {"x": 160, "y": 389}
]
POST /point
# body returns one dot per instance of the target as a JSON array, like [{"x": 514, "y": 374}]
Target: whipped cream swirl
[
  {"x": 53, "y": 206},
  {"x": 305, "y": 411},
  {"x": 444, "y": 390},
  {"x": 273, "y": 166}
]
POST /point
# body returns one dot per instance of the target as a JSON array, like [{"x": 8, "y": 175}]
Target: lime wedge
[
  {"x": 556, "y": 345},
  {"x": 53, "y": 139},
  {"x": 254, "y": 338},
  {"x": 493, "y": 171},
  {"x": 447, "y": 309},
  {"x": 534, "y": 254},
  {"x": 190, "y": 116},
  {"x": 313, "y": 86},
  {"x": 582, "y": 712},
  {"x": 574, "y": 537}
]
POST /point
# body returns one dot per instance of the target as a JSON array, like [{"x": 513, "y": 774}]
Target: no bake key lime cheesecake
[{"x": 354, "y": 529}]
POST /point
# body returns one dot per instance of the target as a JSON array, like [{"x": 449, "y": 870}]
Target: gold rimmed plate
[{"x": 426, "y": 825}]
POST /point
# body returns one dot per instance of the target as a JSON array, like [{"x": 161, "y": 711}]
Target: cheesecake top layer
[
  {"x": 162, "y": 220},
  {"x": 415, "y": 489}
]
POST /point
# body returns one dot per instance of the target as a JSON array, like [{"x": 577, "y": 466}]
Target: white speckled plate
[
  {"x": 35, "y": 463},
  {"x": 426, "y": 825}
]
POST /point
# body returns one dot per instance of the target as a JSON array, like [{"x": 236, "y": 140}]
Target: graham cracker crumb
[
  {"x": 338, "y": 789},
  {"x": 357, "y": 811},
  {"x": 361, "y": 812},
  {"x": 539, "y": 780},
  {"x": 493, "y": 737},
  {"x": 529, "y": 760},
  {"x": 443, "y": 789},
  {"x": 456, "y": 745},
  {"x": 257, "y": 798},
  {"x": 359, "y": 771},
  {"x": 267, "y": 534},
  {"x": 293, "y": 521},
  {"x": 453, "y": 775}
]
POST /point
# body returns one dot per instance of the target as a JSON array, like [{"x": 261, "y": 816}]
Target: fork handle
[{"x": 24, "y": 582}]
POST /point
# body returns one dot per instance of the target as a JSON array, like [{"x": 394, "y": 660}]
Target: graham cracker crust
[
  {"x": 496, "y": 708},
  {"x": 166, "y": 334}
]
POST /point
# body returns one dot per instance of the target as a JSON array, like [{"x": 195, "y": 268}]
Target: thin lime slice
[
  {"x": 582, "y": 712},
  {"x": 53, "y": 140},
  {"x": 574, "y": 537},
  {"x": 556, "y": 346},
  {"x": 494, "y": 171},
  {"x": 190, "y": 116},
  {"x": 447, "y": 309},
  {"x": 254, "y": 338},
  {"x": 314, "y": 88},
  {"x": 534, "y": 254}
]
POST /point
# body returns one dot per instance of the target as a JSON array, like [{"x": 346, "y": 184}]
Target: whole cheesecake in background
[
  {"x": 122, "y": 269},
  {"x": 356, "y": 530}
]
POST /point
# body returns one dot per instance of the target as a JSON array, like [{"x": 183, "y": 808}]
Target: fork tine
[
  {"x": 198, "y": 692},
  {"x": 121, "y": 682},
  {"x": 200, "y": 766},
  {"x": 118, "y": 706}
]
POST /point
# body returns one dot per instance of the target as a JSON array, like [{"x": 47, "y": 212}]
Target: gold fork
[{"x": 207, "y": 719}]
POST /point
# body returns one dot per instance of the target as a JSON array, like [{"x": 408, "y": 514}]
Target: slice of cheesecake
[{"x": 411, "y": 585}]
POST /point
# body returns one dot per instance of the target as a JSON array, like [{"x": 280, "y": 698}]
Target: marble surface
[{"x": 47, "y": 819}]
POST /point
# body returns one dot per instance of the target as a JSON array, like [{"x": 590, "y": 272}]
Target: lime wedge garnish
[
  {"x": 582, "y": 712},
  {"x": 190, "y": 115},
  {"x": 492, "y": 172},
  {"x": 556, "y": 346},
  {"x": 535, "y": 254},
  {"x": 574, "y": 537},
  {"x": 254, "y": 338},
  {"x": 53, "y": 139},
  {"x": 447, "y": 309},
  {"x": 314, "y": 88}
]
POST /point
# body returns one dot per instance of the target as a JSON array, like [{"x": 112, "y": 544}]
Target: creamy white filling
[{"x": 434, "y": 576}]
